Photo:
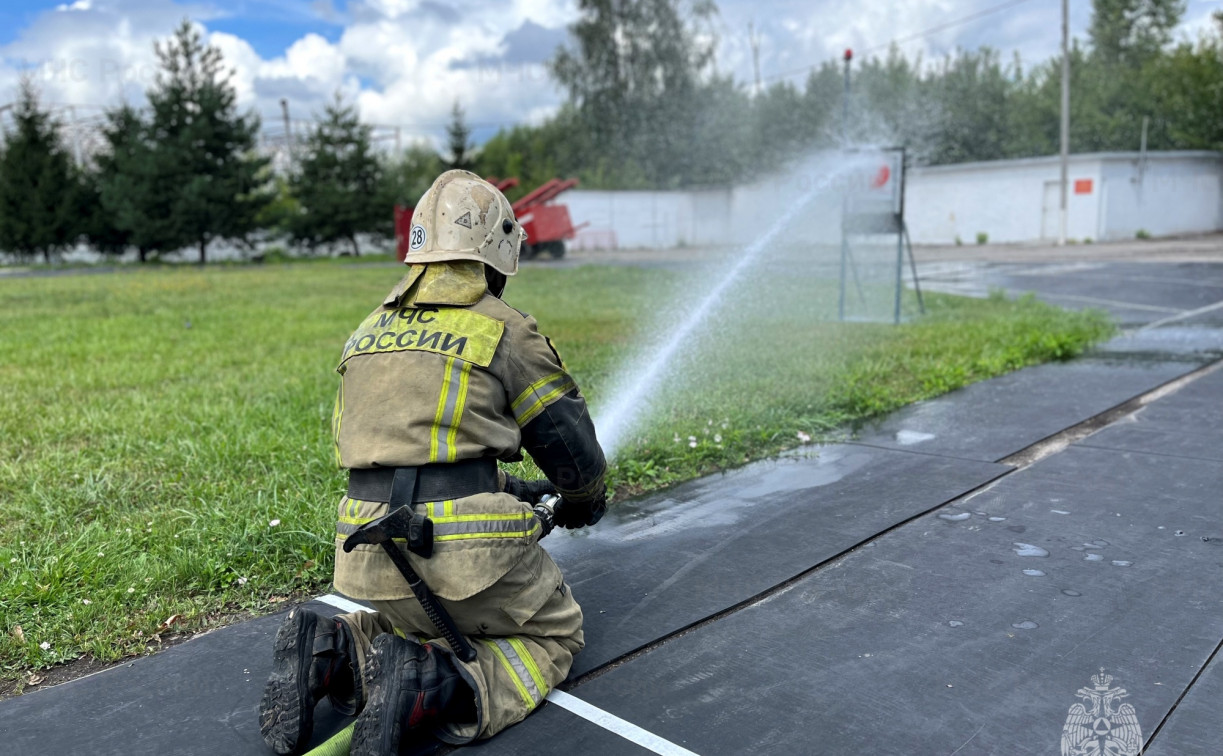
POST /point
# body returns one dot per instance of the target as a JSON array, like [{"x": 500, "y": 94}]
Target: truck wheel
[
  {"x": 554, "y": 249},
  {"x": 527, "y": 252}
]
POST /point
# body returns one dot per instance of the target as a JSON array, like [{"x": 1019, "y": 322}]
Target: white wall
[
  {"x": 705, "y": 217},
  {"x": 629, "y": 220},
  {"x": 1018, "y": 200},
  {"x": 1171, "y": 195}
]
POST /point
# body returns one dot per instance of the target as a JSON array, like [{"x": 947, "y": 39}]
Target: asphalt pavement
[{"x": 1029, "y": 564}]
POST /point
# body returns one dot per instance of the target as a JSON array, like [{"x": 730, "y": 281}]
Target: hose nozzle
[{"x": 545, "y": 511}]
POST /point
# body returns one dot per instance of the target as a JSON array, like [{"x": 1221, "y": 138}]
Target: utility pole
[
  {"x": 1061, "y": 235},
  {"x": 1142, "y": 152},
  {"x": 74, "y": 129},
  {"x": 3, "y": 128},
  {"x": 284, "y": 108},
  {"x": 849, "y": 56},
  {"x": 751, "y": 34}
]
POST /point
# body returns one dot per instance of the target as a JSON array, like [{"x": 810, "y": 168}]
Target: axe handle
[{"x": 436, "y": 612}]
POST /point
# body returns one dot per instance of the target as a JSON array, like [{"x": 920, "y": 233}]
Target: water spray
[{"x": 616, "y": 419}]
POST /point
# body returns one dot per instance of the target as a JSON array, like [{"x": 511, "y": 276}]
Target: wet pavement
[
  {"x": 949, "y": 582},
  {"x": 1136, "y": 293}
]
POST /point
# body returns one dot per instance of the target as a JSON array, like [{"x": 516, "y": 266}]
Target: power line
[
  {"x": 945, "y": 26},
  {"x": 912, "y": 37}
]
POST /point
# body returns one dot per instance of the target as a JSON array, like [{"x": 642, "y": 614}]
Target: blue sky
[
  {"x": 404, "y": 63},
  {"x": 269, "y": 25}
]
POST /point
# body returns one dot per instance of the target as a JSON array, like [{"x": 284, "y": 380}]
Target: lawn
[{"x": 165, "y": 458}]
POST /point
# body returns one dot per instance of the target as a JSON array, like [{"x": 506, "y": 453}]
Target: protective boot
[
  {"x": 411, "y": 688},
  {"x": 314, "y": 657}
]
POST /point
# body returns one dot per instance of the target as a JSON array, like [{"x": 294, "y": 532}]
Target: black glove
[
  {"x": 527, "y": 490},
  {"x": 570, "y": 515}
]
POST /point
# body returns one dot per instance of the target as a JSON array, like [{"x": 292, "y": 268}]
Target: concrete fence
[{"x": 1112, "y": 196}]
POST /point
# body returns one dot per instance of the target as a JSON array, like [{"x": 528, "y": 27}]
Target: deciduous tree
[{"x": 1132, "y": 31}]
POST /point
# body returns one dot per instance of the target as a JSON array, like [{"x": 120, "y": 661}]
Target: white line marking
[
  {"x": 1182, "y": 316},
  {"x": 342, "y": 603},
  {"x": 612, "y": 723},
  {"x": 607, "y": 721},
  {"x": 1108, "y": 302}
]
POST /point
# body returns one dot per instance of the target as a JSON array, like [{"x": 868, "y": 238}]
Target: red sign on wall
[{"x": 1082, "y": 186}]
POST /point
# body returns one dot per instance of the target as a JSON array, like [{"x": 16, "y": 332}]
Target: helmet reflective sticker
[{"x": 417, "y": 238}]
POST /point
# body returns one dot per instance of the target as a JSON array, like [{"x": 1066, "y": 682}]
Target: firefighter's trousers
[{"x": 525, "y": 628}]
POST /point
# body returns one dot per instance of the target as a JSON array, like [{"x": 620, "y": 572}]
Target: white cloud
[
  {"x": 405, "y": 62},
  {"x": 97, "y": 54},
  {"x": 1200, "y": 20},
  {"x": 392, "y": 8}
]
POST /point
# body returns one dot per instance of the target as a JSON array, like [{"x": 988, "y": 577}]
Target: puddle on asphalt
[
  {"x": 1070, "y": 592},
  {"x": 1094, "y": 558},
  {"x": 955, "y": 623},
  {"x": 996, "y": 518},
  {"x": 1034, "y": 573},
  {"x": 1025, "y": 625},
  {"x": 1028, "y": 550},
  {"x": 1121, "y": 563},
  {"x": 961, "y": 517},
  {"x": 1059, "y": 511},
  {"x": 910, "y": 437}
]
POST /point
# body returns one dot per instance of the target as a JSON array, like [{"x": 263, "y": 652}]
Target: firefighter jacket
[{"x": 444, "y": 371}]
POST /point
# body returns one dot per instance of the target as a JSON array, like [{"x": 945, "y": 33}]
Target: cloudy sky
[{"x": 405, "y": 62}]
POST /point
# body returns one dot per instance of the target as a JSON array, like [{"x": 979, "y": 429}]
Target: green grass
[{"x": 165, "y": 459}]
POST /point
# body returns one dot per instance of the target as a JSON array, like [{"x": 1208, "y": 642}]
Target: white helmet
[{"x": 463, "y": 217}]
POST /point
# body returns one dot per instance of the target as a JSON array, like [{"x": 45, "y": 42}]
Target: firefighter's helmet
[{"x": 463, "y": 217}]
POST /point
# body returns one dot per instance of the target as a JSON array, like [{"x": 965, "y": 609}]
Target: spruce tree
[
  {"x": 120, "y": 217},
  {"x": 39, "y": 191},
  {"x": 339, "y": 183},
  {"x": 202, "y": 165},
  {"x": 457, "y": 136},
  {"x": 408, "y": 175}
]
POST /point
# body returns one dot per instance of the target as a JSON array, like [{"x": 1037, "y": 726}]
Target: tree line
[
  {"x": 645, "y": 108},
  {"x": 184, "y": 172}
]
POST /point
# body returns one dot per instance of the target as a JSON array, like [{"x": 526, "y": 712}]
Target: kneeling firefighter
[{"x": 437, "y": 384}]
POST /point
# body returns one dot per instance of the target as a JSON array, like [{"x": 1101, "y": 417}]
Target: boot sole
[
  {"x": 379, "y": 728},
  {"x": 286, "y": 712}
]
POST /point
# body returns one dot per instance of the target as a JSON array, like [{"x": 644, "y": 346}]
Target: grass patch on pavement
[{"x": 165, "y": 457}]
